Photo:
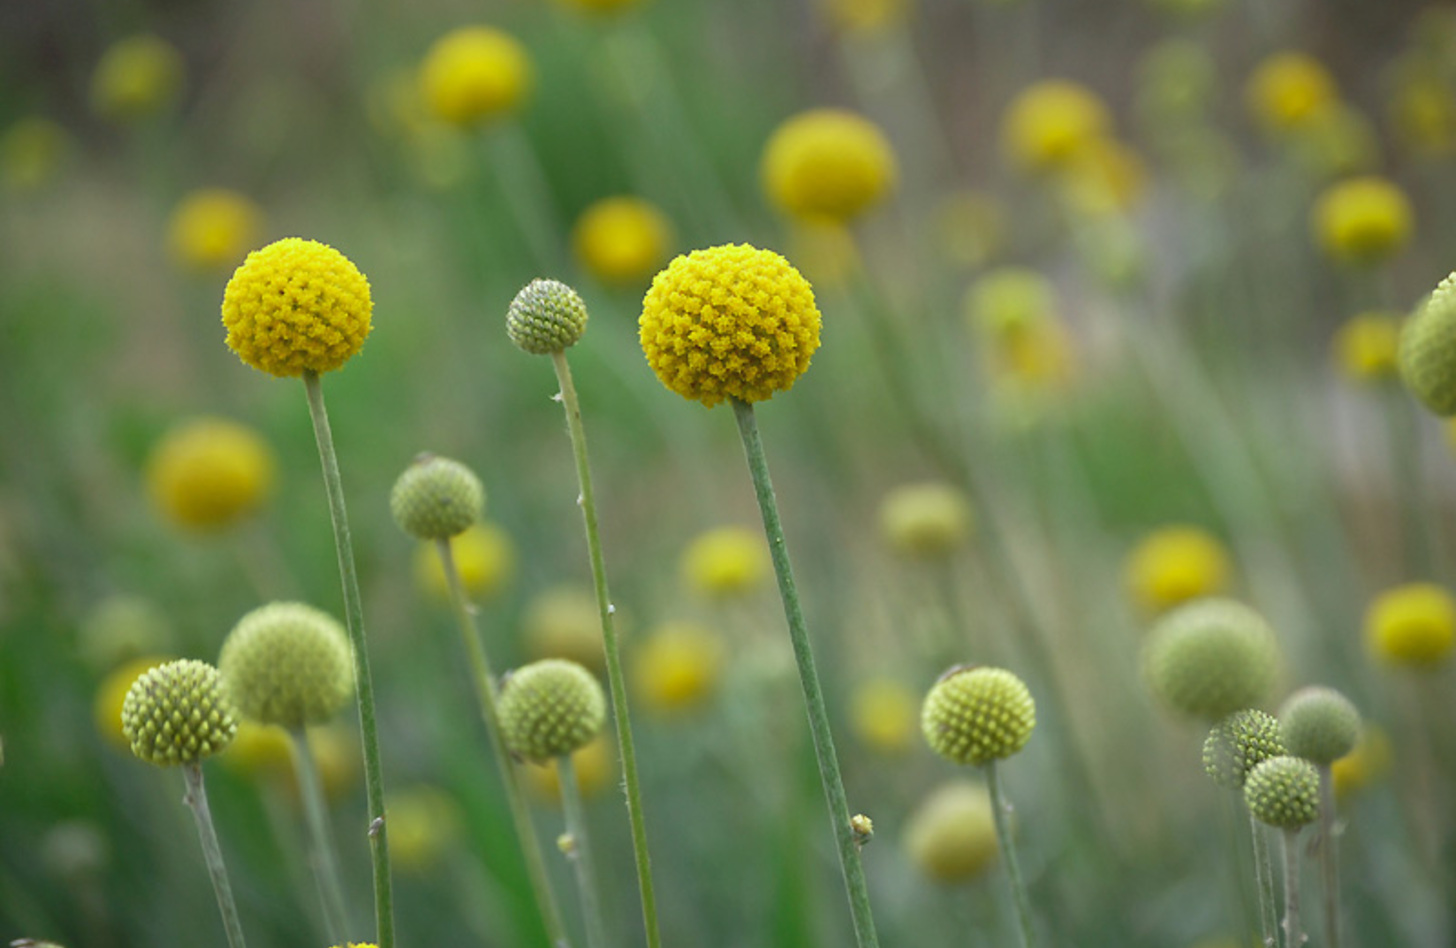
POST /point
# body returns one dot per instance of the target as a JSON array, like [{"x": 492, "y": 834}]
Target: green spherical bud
[
  {"x": 1428, "y": 350},
  {"x": 974, "y": 715},
  {"x": 1211, "y": 658},
  {"x": 436, "y": 498},
  {"x": 289, "y": 664},
  {"x": 550, "y": 708},
  {"x": 1238, "y": 744},
  {"x": 546, "y": 317},
  {"x": 178, "y": 713},
  {"x": 1283, "y": 792},
  {"x": 1319, "y": 724}
]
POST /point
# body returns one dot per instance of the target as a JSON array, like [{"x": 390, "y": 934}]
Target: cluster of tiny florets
[
  {"x": 1428, "y": 350},
  {"x": 288, "y": 663},
  {"x": 1319, "y": 724},
  {"x": 1238, "y": 744},
  {"x": 1283, "y": 792},
  {"x": 1210, "y": 658},
  {"x": 178, "y": 713},
  {"x": 550, "y": 708},
  {"x": 436, "y": 498},
  {"x": 977, "y": 715},
  {"x": 547, "y": 316}
]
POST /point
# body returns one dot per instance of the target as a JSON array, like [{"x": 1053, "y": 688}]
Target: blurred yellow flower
[
  {"x": 885, "y": 715},
  {"x": 121, "y": 628},
  {"x": 1365, "y": 347},
  {"x": 1008, "y": 301},
  {"x": 1104, "y": 177},
  {"x": 1362, "y": 220},
  {"x": 1049, "y": 122},
  {"x": 725, "y": 561},
  {"x": 1366, "y": 763},
  {"x": 475, "y": 74},
  {"x": 677, "y": 666},
  {"x": 136, "y": 78},
  {"x": 925, "y": 521},
  {"x": 1338, "y": 141},
  {"x": 111, "y": 695},
  {"x": 826, "y": 252},
  {"x": 563, "y": 622},
  {"x": 1288, "y": 90},
  {"x": 424, "y": 823},
  {"x": 1038, "y": 359},
  {"x": 1422, "y": 109},
  {"x": 622, "y": 239},
  {"x": 484, "y": 555},
  {"x": 827, "y": 164},
  {"x": 1412, "y": 625},
  {"x": 213, "y": 228},
  {"x": 970, "y": 227},
  {"x": 260, "y": 752},
  {"x": 866, "y": 16},
  {"x": 209, "y": 473},
  {"x": 337, "y": 752},
  {"x": 1174, "y": 564},
  {"x": 951, "y": 836},
  {"x": 31, "y": 153},
  {"x": 594, "y": 764}
]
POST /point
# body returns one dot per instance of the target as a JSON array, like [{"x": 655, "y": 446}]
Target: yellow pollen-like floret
[
  {"x": 827, "y": 164},
  {"x": 474, "y": 74},
  {"x": 1413, "y": 625}
]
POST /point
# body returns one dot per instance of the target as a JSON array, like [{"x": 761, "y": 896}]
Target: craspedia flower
[
  {"x": 882, "y": 714},
  {"x": 1008, "y": 301},
  {"x": 1049, "y": 122},
  {"x": 1288, "y": 90},
  {"x": 260, "y": 752},
  {"x": 1427, "y": 354},
  {"x": 31, "y": 153},
  {"x": 288, "y": 663},
  {"x": 136, "y": 78},
  {"x": 1422, "y": 110},
  {"x": 677, "y": 666},
  {"x": 1362, "y": 220},
  {"x": 925, "y": 521},
  {"x": 1319, "y": 724},
  {"x": 474, "y": 74},
  {"x": 1238, "y": 744},
  {"x": 1336, "y": 142},
  {"x": 212, "y": 228},
  {"x": 337, "y": 752},
  {"x": 296, "y": 306},
  {"x": 725, "y": 561},
  {"x": 1365, "y": 347},
  {"x": 485, "y": 558},
  {"x": 827, "y": 164},
  {"x": 178, "y": 713},
  {"x": 594, "y": 766},
  {"x": 951, "y": 836},
  {"x": 729, "y": 322},
  {"x": 547, "y": 316},
  {"x": 1211, "y": 657},
  {"x": 209, "y": 473},
  {"x": 436, "y": 498},
  {"x": 111, "y": 697},
  {"x": 974, "y": 715},
  {"x": 1174, "y": 564},
  {"x": 563, "y": 622},
  {"x": 621, "y": 239},
  {"x": 1283, "y": 792},
  {"x": 550, "y": 708},
  {"x": 1412, "y": 625}
]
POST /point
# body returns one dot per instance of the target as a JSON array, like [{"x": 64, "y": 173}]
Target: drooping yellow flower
[
  {"x": 866, "y": 17},
  {"x": 622, "y": 239},
  {"x": 484, "y": 555},
  {"x": 424, "y": 823},
  {"x": 677, "y": 666},
  {"x": 1363, "y": 220},
  {"x": 951, "y": 837},
  {"x": 213, "y": 228},
  {"x": 827, "y": 164},
  {"x": 1365, "y": 347},
  {"x": 209, "y": 473},
  {"x": 111, "y": 695},
  {"x": 31, "y": 153},
  {"x": 970, "y": 226},
  {"x": 594, "y": 763},
  {"x": 884, "y": 714},
  {"x": 926, "y": 521},
  {"x": 1174, "y": 564},
  {"x": 563, "y": 622},
  {"x": 1288, "y": 90},
  {"x": 1049, "y": 122},
  {"x": 1412, "y": 625},
  {"x": 725, "y": 561},
  {"x": 475, "y": 74},
  {"x": 1363, "y": 766},
  {"x": 136, "y": 78}
]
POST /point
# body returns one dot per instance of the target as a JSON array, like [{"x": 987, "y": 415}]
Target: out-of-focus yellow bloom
[
  {"x": 484, "y": 557},
  {"x": 622, "y": 239},
  {"x": 1174, "y": 564},
  {"x": 1105, "y": 177},
  {"x": 260, "y": 752},
  {"x": 1008, "y": 301},
  {"x": 1365, "y": 347},
  {"x": 424, "y": 823},
  {"x": 725, "y": 561},
  {"x": 1365, "y": 764},
  {"x": 1289, "y": 90},
  {"x": 1362, "y": 220},
  {"x": 121, "y": 628},
  {"x": 563, "y": 622},
  {"x": 970, "y": 226},
  {"x": 951, "y": 837},
  {"x": 1337, "y": 141},
  {"x": 885, "y": 715},
  {"x": 1412, "y": 625},
  {"x": 31, "y": 153},
  {"x": 825, "y": 252},
  {"x": 594, "y": 764},
  {"x": 1039, "y": 359},
  {"x": 136, "y": 78},
  {"x": 1176, "y": 83},
  {"x": 866, "y": 17},
  {"x": 1049, "y": 122},
  {"x": 827, "y": 164},
  {"x": 214, "y": 228},
  {"x": 926, "y": 521},
  {"x": 336, "y": 750},
  {"x": 475, "y": 74},
  {"x": 111, "y": 695},
  {"x": 209, "y": 473},
  {"x": 677, "y": 666},
  {"x": 1422, "y": 110}
]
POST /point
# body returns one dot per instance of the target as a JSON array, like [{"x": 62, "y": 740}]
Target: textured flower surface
[
  {"x": 474, "y": 74},
  {"x": 729, "y": 322},
  {"x": 1283, "y": 792},
  {"x": 550, "y": 708},
  {"x": 546, "y": 316},
  {"x": 1413, "y": 625},
  {"x": 1319, "y": 724},
  {"x": 178, "y": 713},
  {"x": 977, "y": 715},
  {"x": 288, "y": 663},
  {"x": 1238, "y": 744},
  {"x": 1210, "y": 658},
  {"x": 827, "y": 164},
  {"x": 436, "y": 498},
  {"x": 1427, "y": 354},
  {"x": 209, "y": 473}
]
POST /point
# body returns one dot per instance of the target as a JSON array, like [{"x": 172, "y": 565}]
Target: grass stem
[
  {"x": 1264, "y": 882},
  {"x": 1293, "y": 936},
  {"x": 315, "y": 815},
  {"x": 1329, "y": 858}
]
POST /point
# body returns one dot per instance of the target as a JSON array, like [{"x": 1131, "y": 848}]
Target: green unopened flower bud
[
  {"x": 550, "y": 708},
  {"x": 1319, "y": 724},
  {"x": 1283, "y": 792},
  {"x": 1238, "y": 744},
  {"x": 1428, "y": 350},
  {"x": 436, "y": 498},
  {"x": 289, "y": 664},
  {"x": 178, "y": 713},
  {"x": 1211, "y": 658},
  {"x": 974, "y": 715},
  {"x": 547, "y": 316}
]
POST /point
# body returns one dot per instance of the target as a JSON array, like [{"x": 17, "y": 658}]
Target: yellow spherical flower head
[
  {"x": 1363, "y": 220},
  {"x": 882, "y": 714},
  {"x": 209, "y": 473},
  {"x": 424, "y": 823},
  {"x": 563, "y": 622},
  {"x": 474, "y": 74},
  {"x": 1174, "y": 564},
  {"x": 677, "y": 666},
  {"x": 976, "y": 714},
  {"x": 484, "y": 557},
  {"x": 1412, "y": 625},
  {"x": 296, "y": 306},
  {"x": 213, "y": 228},
  {"x": 1365, "y": 348},
  {"x": 951, "y": 836},
  {"x": 1009, "y": 301},
  {"x": 1105, "y": 177},
  {"x": 827, "y": 164},
  {"x": 136, "y": 78},
  {"x": 1288, "y": 90},
  {"x": 178, "y": 713},
  {"x": 926, "y": 521},
  {"x": 111, "y": 695},
  {"x": 725, "y": 561},
  {"x": 31, "y": 152},
  {"x": 336, "y": 751},
  {"x": 594, "y": 768},
  {"x": 729, "y": 322},
  {"x": 436, "y": 498},
  {"x": 866, "y": 17},
  {"x": 621, "y": 239},
  {"x": 260, "y": 751},
  {"x": 1049, "y": 123}
]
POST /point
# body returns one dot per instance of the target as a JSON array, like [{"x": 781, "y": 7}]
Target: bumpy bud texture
[
  {"x": 1428, "y": 350},
  {"x": 1283, "y": 792},
  {"x": 1238, "y": 744},
  {"x": 550, "y": 708},
  {"x": 287, "y": 663},
  {"x": 546, "y": 317},
  {"x": 1319, "y": 724},
  {"x": 178, "y": 713},
  {"x": 977, "y": 715},
  {"x": 436, "y": 498},
  {"x": 1211, "y": 658}
]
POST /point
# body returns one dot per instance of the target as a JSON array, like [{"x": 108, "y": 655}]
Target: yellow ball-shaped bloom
[
  {"x": 136, "y": 78},
  {"x": 564, "y": 622},
  {"x": 926, "y": 521},
  {"x": 865, "y": 17},
  {"x": 1288, "y": 90},
  {"x": 677, "y": 666},
  {"x": 260, "y": 752},
  {"x": 729, "y": 322},
  {"x": 725, "y": 561},
  {"x": 1412, "y": 625},
  {"x": 213, "y": 228},
  {"x": 1363, "y": 220},
  {"x": 31, "y": 152},
  {"x": 1175, "y": 564},
  {"x": 484, "y": 555},
  {"x": 111, "y": 695},
  {"x": 424, "y": 823},
  {"x": 1008, "y": 301},
  {"x": 209, "y": 473},
  {"x": 594, "y": 766},
  {"x": 622, "y": 239},
  {"x": 1049, "y": 122},
  {"x": 296, "y": 306},
  {"x": 884, "y": 714},
  {"x": 1363, "y": 766},
  {"x": 475, "y": 74},
  {"x": 827, "y": 164},
  {"x": 951, "y": 837},
  {"x": 1105, "y": 177},
  {"x": 1365, "y": 348}
]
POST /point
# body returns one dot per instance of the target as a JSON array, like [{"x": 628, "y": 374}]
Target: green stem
[
  {"x": 1264, "y": 882},
  {"x": 616, "y": 681},
  {"x": 829, "y": 775},
  {"x": 196, "y": 800},
  {"x": 363, "y": 681},
  {"x": 325, "y": 863},
  {"x": 485, "y": 693},
  {"x": 580, "y": 852},
  {"x": 1329, "y": 858},
  {"x": 1293, "y": 938},
  {"x": 1001, "y": 814}
]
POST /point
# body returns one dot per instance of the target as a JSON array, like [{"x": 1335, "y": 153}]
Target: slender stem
[
  {"x": 1329, "y": 858},
  {"x": 485, "y": 693},
  {"x": 363, "y": 681},
  {"x": 196, "y": 800},
  {"x": 829, "y": 775},
  {"x": 325, "y": 862},
  {"x": 580, "y": 853},
  {"x": 1293, "y": 937},
  {"x": 616, "y": 681},
  {"x": 1001, "y": 814},
  {"x": 1264, "y": 882}
]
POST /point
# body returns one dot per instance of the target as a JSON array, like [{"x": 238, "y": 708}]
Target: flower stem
[
  {"x": 829, "y": 775},
  {"x": 196, "y": 800},
  {"x": 1264, "y": 882},
  {"x": 325, "y": 863},
  {"x": 363, "y": 682},
  {"x": 486, "y": 694},
  {"x": 616, "y": 682},
  {"x": 1329, "y": 858},
  {"x": 1001, "y": 813},
  {"x": 1293, "y": 938},
  {"x": 580, "y": 852}
]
